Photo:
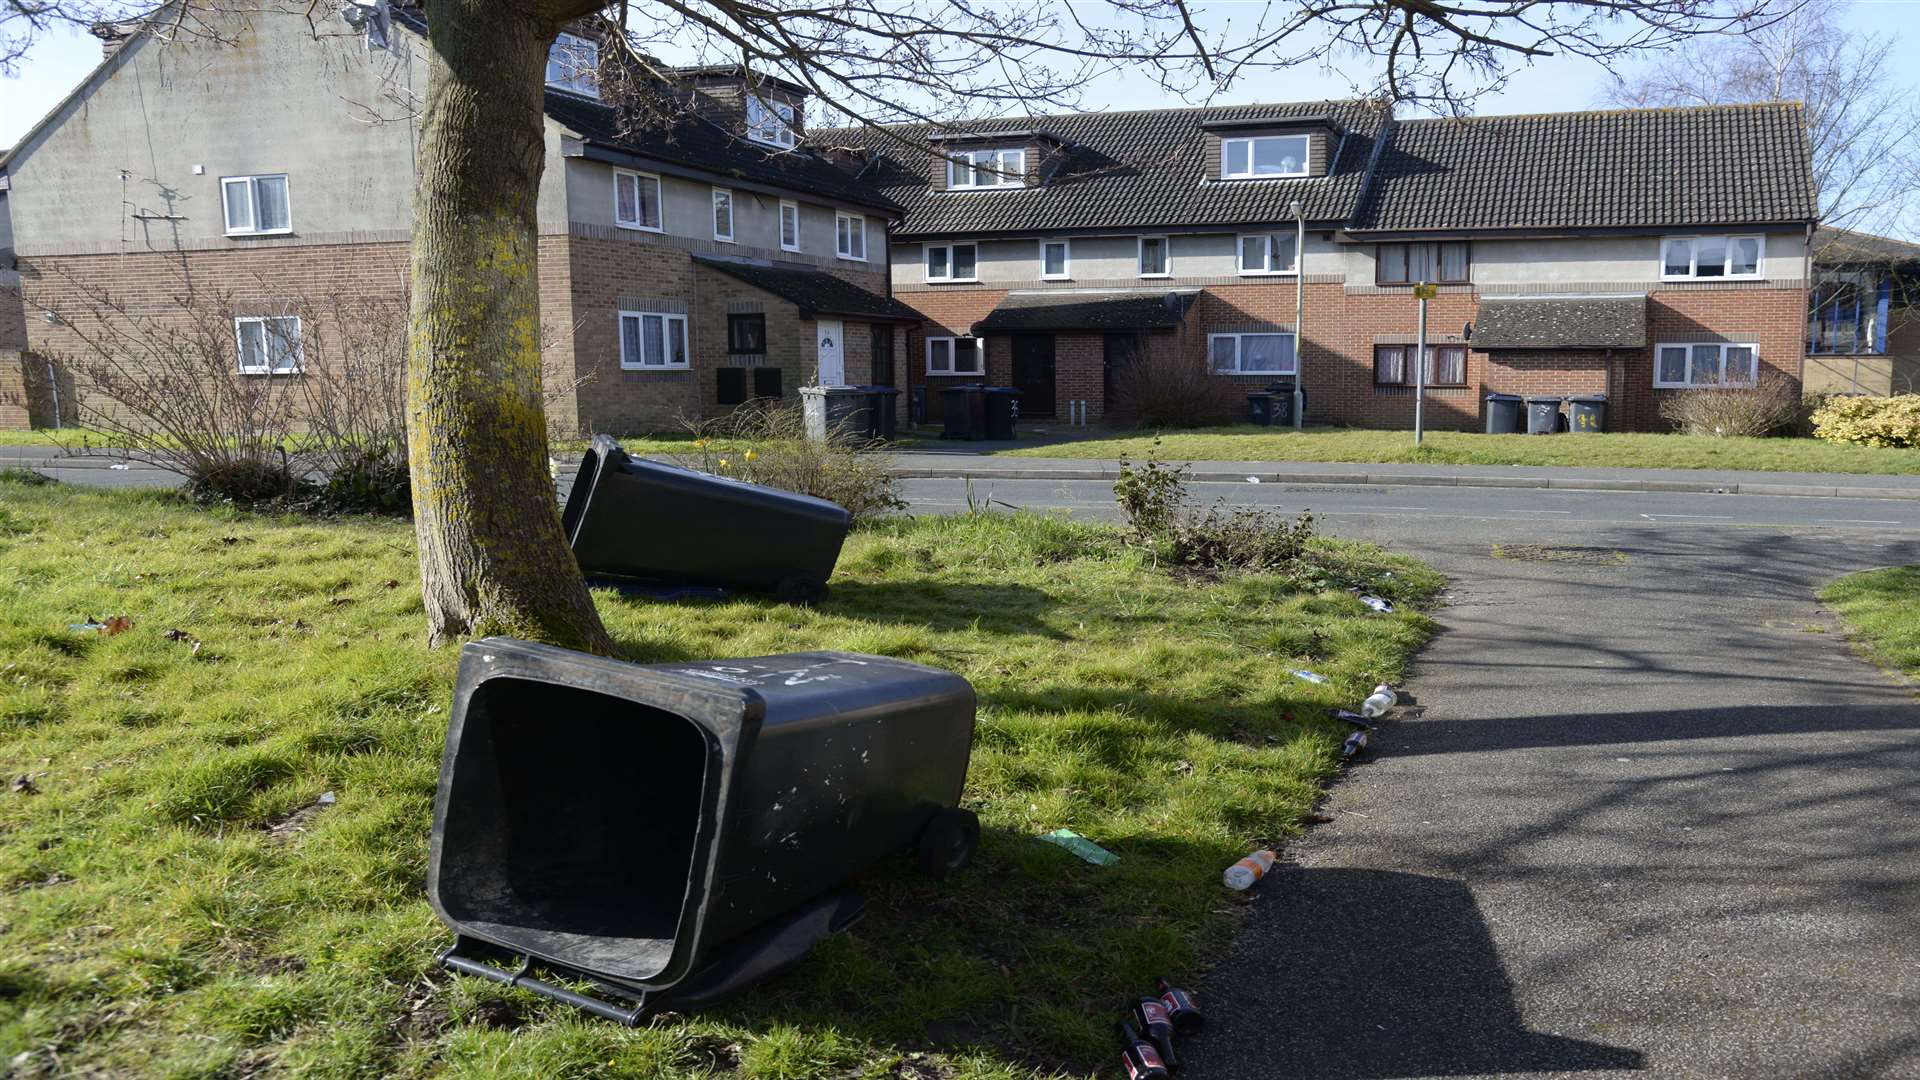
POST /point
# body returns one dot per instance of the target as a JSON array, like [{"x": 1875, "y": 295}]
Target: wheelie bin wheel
[
  {"x": 947, "y": 843},
  {"x": 804, "y": 591}
]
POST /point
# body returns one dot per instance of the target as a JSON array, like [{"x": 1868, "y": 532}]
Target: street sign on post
[{"x": 1425, "y": 292}]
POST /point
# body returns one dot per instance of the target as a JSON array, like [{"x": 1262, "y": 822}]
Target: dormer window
[
  {"x": 769, "y": 122},
  {"x": 976, "y": 169},
  {"x": 573, "y": 65},
  {"x": 1264, "y": 157}
]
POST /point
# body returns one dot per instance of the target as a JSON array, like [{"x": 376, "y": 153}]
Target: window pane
[
  {"x": 1746, "y": 255},
  {"x": 239, "y": 195},
  {"x": 1453, "y": 261},
  {"x": 677, "y": 341},
  {"x": 1279, "y": 156},
  {"x": 1054, "y": 260},
  {"x": 1710, "y": 259},
  {"x": 1673, "y": 365},
  {"x": 1389, "y": 364},
  {"x": 1706, "y": 365},
  {"x": 936, "y": 262},
  {"x": 964, "y": 258},
  {"x": 938, "y": 355},
  {"x": 270, "y": 203},
  {"x": 630, "y": 340},
  {"x": 1266, "y": 352},
  {"x": 857, "y": 239},
  {"x": 1420, "y": 263},
  {"x": 1153, "y": 256},
  {"x": 966, "y": 356},
  {"x": 790, "y": 226},
  {"x": 653, "y": 334},
  {"x": 253, "y": 346},
  {"x": 1392, "y": 268},
  {"x": 649, "y": 202},
  {"x": 1222, "y": 350},
  {"x": 1253, "y": 253},
  {"x": 1013, "y": 167},
  {"x": 626, "y": 198},
  {"x": 1281, "y": 248},
  {"x": 722, "y": 214},
  {"x": 1236, "y": 159},
  {"x": 1740, "y": 364},
  {"x": 1678, "y": 261},
  {"x": 283, "y": 343},
  {"x": 1445, "y": 365}
]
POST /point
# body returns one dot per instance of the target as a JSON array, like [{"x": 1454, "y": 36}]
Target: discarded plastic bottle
[
  {"x": 1309, "y": 676},
  {"x": 1187, "y": 1019},
  {"x": 1138, "y": 1055},
  {"x": 1156, "y": 1023},
  {"x": 1377, "y": 703},
  {"x": 1353, "y": 718},
  {"x": 1384, "y": 607},
  {"x": 1244, "y": 873},
  {"x": 1355, "y": 743}
]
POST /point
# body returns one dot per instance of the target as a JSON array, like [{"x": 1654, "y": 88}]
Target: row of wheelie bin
[
  {"x": 975, "y": 411},
  {"x": 1511, "y": 414}
]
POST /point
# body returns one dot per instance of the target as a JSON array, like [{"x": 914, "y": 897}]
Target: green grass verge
[
  {"x": 154, "y": 923},
  {"x": 1633, "y": 451},
  {"x": 1882, "y": 610}
]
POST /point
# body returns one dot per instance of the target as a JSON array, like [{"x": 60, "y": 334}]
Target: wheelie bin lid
[
  {"x": 1587, "y": 399},
  {"x": 1545, "y": 397},
  {"x": 1000, "y": 390},
  {"x": 1495, "y": 396}
]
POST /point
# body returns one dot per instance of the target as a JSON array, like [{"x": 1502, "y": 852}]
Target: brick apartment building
[
  {"x": 1630, "y": 253},
  {"x": 733, "y": 252}
]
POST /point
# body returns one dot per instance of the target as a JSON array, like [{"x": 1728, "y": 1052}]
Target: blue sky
[{"x": 1555, "y": 84}]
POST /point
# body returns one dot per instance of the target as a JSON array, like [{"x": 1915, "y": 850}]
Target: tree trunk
[{"x": 492, "y": 557}]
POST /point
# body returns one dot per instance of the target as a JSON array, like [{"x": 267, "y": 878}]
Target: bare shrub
[
  {"x": 353, "y": 397},
  {"x": 1153, "y": 496},
  {"x": 1770, "y": 407},
  {"x": 766, "y": 443},
  {"x": 1167, "y": 389}
]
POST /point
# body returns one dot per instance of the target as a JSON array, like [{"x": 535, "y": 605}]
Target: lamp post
[
  {"x": 1425, "y": 292},
  {"x": 1299, "y": 310}
]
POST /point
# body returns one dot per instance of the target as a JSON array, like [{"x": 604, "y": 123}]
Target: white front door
[{"x": 833, "y": 355}]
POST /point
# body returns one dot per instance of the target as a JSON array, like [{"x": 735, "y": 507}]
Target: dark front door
[
  {"x": 1121, "y": 351},
  {"x": 1033, "y": 373},
  {"x": 883, "y": 354}
]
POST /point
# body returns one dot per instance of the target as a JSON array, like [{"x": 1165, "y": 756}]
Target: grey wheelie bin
[
  {"x": 630, "y": 519},
  {"x": 670, "y": 833},
  {"x": 1504, "y": 414},
  {"x": 1589, "y": 413},
  {"x": 1543, "y": 415}
]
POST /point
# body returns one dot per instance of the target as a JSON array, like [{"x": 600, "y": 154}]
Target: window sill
[
  {"x": 656, "y": 367},
  {"x": 793, "y": 250},
  {"x": 639, "y": 228},
  {"x": 259, "y": 232},
  {"x": 1258, "y": 374},
  {"x": 952, "y": 281},
  {"x": 264, "y": 373},
  {"x": 1055, "y": 277},
  {"x": 1411, "y": 284},
  {"x": 850, "y": 258},
  {"x": 1268, "y": 273},
  {"x": 1265, "y": 176},
  {"x": 1154, "y": 276},
  {"x": 1690, "y": 280},
  {"x": 1410, "y": 386},
  {"x": 723, "y": 240},
  {"x": 1703, "y": 386}
]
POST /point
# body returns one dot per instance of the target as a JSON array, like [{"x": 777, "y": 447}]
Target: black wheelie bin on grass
[
  {"x": 672, "y": 832},
  {"x": 631, "y": 519}
]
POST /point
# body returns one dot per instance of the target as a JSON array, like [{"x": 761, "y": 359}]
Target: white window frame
[
  {"x": 1273, "y": 240},
  {"x": 1226, "y": 152},
  {"x": 774, "y": 125},
  {"x": 1239, "y": 351},
  {"x": 926, "y": 262},
  {"x": 583, "y": 80},
  {"x": 1140, "y": 256},
  {"x": 1693, "y": 257},
  {"x": 979, "y": 356},
  {"x": 785, "y": 206},
  {"x": 666, "y": 344},
  {"x": 1066, "y": 261},
  {"x": 249, "y": 182},
  {"x": 840, "y": 236},
  {"x": 659, "y": 204},
  {"x": 1000, "y": 175},
  {"x": 1753, "y": 373},
  {"x": 713, "y": 213},
  {"x": 240, "y": 348}
]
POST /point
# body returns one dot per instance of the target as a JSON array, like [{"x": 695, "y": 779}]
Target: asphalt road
[{"x": 1651, "y": 813}]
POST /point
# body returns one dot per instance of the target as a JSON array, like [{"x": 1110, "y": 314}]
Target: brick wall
[
  {"x": 13, "y": 312},
  {"x": 15, "y": 413}
]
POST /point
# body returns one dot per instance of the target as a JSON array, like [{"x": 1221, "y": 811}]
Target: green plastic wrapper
[{"x": 1081, "y": 846}]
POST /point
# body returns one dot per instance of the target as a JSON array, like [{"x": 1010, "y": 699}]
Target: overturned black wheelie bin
[
  {"x": 669, "y": 833},
  {"x": 631, "y": 519}
]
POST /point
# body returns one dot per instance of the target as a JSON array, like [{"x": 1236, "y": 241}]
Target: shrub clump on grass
[
  {"x": 766, "y": 443},
  {"x": 1770, "y": 407},
  {"x": 1870, "y": 421}
]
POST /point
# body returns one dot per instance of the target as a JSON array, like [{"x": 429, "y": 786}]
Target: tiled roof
[
  {"x": 815, "y": 292},
  {"x": 698, "y": 143},
  {"x": 1122, "y": 170},
  {"x": 1561, "y": 322},
  {"x": 1832, "y": 247},
  {"x": 1712, "y": 165},
  {"x": 1081, "y": 311}
]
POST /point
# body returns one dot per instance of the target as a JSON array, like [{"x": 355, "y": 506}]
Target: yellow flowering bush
[{"x": 1870, "y": 421}]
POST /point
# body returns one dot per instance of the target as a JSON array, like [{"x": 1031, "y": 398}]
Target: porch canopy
[
  {"x": 816, "y": 292},
  {"x": 1561, "y": 322},
  {"x": 1051, "y": 312}
]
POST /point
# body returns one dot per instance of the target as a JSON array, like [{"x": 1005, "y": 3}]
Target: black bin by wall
[
  {"x": 637, "y": 520},
  {"x": 673, "y": 832},
  {"x": 963, "y": 412},
  {"x": 1260, "y": 408},
  {"x": 1002, "y": 410},
  {"x": 730, "y": 385},
  {"x": 1505, "y": 414},
  {"x": 766, "y": 382}
]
